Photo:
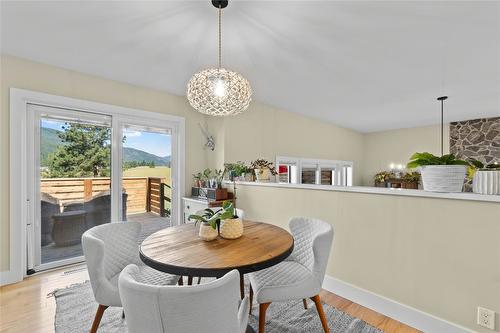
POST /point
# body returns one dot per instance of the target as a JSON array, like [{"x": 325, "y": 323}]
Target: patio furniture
[
  {"x": 301, "y": 275},
  {"x": 211, "y": 308},
  {"x": 49, "y": 206},
  {"x": 108, "y": 248},
  {"x": 98, "y": 208},
  {"x": 68, "y": 227}
]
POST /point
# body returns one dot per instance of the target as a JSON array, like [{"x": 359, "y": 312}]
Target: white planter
[
  {"x": 443, "y": 178},
  {"x": 262, "y": 175},
  {"x": 486, "y": 182},
  {"x": 207, "y": 233},
  {"x": 231, "y": 228}
]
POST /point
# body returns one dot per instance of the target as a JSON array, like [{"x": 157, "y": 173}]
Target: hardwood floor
[{"x": 28, "y": 306}]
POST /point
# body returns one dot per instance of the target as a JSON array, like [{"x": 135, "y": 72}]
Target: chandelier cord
[{"x": 220, "y": 35}]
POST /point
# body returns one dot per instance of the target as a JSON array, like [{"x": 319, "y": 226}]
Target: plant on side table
[
  {"x": 485, "y": 178},
  {"x": 440, "y": 174},
  {"x": 263, "y": 170}
]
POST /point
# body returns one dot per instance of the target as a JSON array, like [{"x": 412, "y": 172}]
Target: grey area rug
[{"x": 76, "y": 309}]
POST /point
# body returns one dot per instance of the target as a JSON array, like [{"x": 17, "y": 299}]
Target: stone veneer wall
[{"x": 476, "y": 139}]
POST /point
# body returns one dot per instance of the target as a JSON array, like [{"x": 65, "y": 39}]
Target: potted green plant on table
[
  {"x": 231, "y": 226},
  {"x": 440, "y": 174},
  {"x": 208, "y": 224},
  {"x": 485, "y": 178},
  {"x": 263, "y": 170}
]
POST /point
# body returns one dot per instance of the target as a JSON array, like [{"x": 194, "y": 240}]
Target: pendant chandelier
[{"x": 218, "y": 91}]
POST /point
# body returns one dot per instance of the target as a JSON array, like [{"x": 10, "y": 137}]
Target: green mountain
[
  {"x": 50, "y": 141},
  {"x": 132, "y": 154}
]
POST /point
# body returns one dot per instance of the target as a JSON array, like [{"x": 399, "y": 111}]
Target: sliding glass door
[
  {"x": 87, "y": 169},
  {"x": 146, "y": 175}
]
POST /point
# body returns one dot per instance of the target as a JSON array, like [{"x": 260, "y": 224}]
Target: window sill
[{"x": 378, "y": 190}]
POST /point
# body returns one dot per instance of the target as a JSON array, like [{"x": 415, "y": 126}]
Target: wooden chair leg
[
  {"x": 242, "y": 286},
  {"x": 190, "y": 280},
  {"x": 199, "y": 279},
  {"x": 251, "y": 299},
  {"x": 262, "y": 316},
  {"x": 98, "y": 317},
  {"x": 304, "y": 301},
  {"x": 321, "y": 313},
  {"x": 181, "y": 281}
]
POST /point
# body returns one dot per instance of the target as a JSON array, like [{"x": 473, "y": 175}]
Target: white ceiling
[{"x": 368, "y": 66}]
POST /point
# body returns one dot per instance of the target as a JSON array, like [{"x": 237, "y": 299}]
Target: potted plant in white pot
[
  {"x": 263, "y": 170},
  {"x": 485, "y": 179},
  {"x": 208, "y": 224},
  {"x": 440, "y": 174}
]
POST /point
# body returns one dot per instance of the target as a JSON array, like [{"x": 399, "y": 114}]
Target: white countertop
[{"x": 378, "y": 190}]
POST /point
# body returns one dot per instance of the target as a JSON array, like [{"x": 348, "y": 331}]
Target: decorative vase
[
  {"x": 262, "y": 174},
  {"x": 231, "y": 228},
  {"x": 486, "y": 182},
  {"x": 443, "y": 178},
  {"x": 207, "y": 233}
]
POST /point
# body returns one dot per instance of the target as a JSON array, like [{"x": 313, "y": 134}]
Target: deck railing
[{"x": 145, "y": 194}]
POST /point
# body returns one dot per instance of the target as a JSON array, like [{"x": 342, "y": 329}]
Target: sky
[{"x": 159, "y": 144}]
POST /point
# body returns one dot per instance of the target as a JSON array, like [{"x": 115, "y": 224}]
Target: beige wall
[
  {"x": 396, "y": 146},
  {"x": 17, "y": 73},
  {"x": 265, "y": 132},
  {"x": 440, "y": 256}
]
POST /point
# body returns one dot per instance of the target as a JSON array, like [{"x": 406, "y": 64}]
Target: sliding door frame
[{"x": 21, "y": 200}]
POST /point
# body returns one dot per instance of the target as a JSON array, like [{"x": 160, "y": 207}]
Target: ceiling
[{"x": 368, "y": 66}]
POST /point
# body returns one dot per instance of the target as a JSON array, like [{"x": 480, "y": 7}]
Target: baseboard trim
[
  {"x": 9, "y": 277},
  {"x": 408, "y": 315}
]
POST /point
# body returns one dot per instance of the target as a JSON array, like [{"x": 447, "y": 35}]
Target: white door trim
[{"x": 19, "y": 99}]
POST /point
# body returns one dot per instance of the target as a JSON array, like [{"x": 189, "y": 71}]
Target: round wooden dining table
[{"x": 178, "y": 250}]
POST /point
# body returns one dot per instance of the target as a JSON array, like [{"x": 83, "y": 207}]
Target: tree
[{"x": 85, "y": 152}]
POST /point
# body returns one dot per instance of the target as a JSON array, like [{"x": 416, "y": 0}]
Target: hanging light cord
[{"x": 220, "y": 36}]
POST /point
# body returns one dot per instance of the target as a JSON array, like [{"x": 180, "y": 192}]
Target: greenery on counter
[{"x": 424, "y": 159}]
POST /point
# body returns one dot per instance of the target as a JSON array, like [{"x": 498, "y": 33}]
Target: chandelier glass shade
[{"x": 218, "y": 91}]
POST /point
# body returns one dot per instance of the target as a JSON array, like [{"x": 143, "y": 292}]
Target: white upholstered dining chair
[
  {"x": 301, "y": 275},
  {"x": 108, "y": 248},
  {"x": 214, "y": 307}
]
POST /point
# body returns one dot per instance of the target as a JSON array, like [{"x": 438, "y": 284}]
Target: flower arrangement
[
  {"x": 383, "y": 176},
  {"x": 263, "y": 169}
]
